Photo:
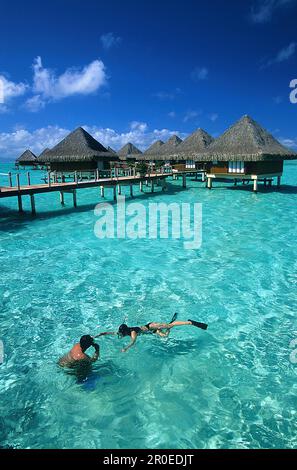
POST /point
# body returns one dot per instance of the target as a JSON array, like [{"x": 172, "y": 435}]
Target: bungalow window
[
  {"x": 236, "y": 167},
  {"x": 190, "y": 164}
]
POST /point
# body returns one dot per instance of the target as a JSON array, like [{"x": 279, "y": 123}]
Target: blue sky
[{"x": 142, "y": 70}]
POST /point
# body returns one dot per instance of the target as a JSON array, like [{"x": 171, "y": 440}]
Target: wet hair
[
  {"x": 85, "y": 342},
  {"x": 124, "y": 330}
]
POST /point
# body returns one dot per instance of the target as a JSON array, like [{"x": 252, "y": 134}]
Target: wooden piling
[
  {"x": 141, "y": 186},
  {"x": 209, "y": 182},
  {"x": 62, "y": 201},
  {"x": 102, "y": 191},
  {"x": 255, "y": 187},
  {"x": 279, "y": 181},
  {"x": 74, "y": 198},
  {"x": 33, "y": 208},
  {"x": 28, "y": 178},
  {"x": 114, "y": 193},
  {"x": 184, "y": 181},
  {"x": 131, "y": 190},
  {"x": 10, "y": 179}
]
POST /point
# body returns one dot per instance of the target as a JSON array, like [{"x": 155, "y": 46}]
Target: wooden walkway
[{"x": 73, "y": 186}]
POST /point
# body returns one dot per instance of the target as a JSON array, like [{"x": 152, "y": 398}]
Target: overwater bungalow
[
  {"x": 27, "y": 158},
  {"x": 160, "y": 151},
  {"x": 246, "y": 151},
  {"x": 78, "y": 151},
  {"x": 129, "y": 152},
  {"x": 154, "y": 148},
  {"x": 186, "y": 154}
]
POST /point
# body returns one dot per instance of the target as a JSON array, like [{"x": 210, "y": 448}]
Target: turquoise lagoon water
[{"x": 231, "y": 386}]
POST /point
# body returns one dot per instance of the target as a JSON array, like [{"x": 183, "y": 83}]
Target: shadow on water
[
  {"x": 174, "y": 347},
  {"x": 88, "y": 376},
  {"x": 12, "y": 220},
  {"x": 283, "y": 189}
]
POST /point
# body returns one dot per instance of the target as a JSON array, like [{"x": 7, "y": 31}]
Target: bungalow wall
[
  {"x": 80, "y": 166},
  {"x": 246, "y": 168}
]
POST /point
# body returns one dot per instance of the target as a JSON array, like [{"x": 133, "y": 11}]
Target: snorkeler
[
  {"x": 77, "y": 356},
  {"x": 161, "y": 329}
]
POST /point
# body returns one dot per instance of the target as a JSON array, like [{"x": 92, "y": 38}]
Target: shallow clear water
[{"x": 231, "y": 386}]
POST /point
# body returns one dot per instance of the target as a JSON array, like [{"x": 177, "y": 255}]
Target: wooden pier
[{"x": 115, "y": 183}]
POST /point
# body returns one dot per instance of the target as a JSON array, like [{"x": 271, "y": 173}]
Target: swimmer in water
[
  {"x": 161, "y": 329},
  {"x": 77, "y": 357}
]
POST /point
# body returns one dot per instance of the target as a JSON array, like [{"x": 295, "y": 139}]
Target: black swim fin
[
  {"x": 203, "y": 326},
  {"x": 173, "y": 318}
]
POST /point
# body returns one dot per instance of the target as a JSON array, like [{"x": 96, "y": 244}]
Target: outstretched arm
[
  {"x": 105, "y": 334},
  {"x": 161, "y": 333},
  {"x": 133, "y": 340}
]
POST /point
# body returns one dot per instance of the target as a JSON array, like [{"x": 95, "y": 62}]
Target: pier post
[
  {"x": 196, "y": 175},
  {"x": 203, "y": 177},
  {"x": 33, "y": 208},
  {"x": 184, "y": 181},
  {"x": 75, "y": 177},
  {"x": 28, "y": 178},
  {"x": 49, "y": 178},
  {"x": 209, "y": 182},
  {"x": 97, "y": 174},
  {"x": 235, "y": 182},
  {"x": 119, "y": 189},
  {"x": 62, "y": 198},
  {"x": 114, "y": 193},
  {"x": 131, "y": 190},
  {"x": 164, "y": 184},
  {"x": 74, "y": 198},
  {"x": 279, "y": 181},
  {"x": 140, "y": 186},
  {"x": 18, "y": 181},
  {"x": 10, "y": 179},
  {"x": 146, "y": 182},
  {"x": 20, "y": 204},
  {"x": 255, "y": 187},
  {"x": 102, "y": 191},
  {"x": 152, "y": 186}
]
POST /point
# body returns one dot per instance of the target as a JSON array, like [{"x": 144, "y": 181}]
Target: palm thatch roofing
[
  {"x": 43, "y": 153},
  {"x": 246, "y": 140},
  {"x": 155, "y": 147},
  {"x": 165, "y": 150},
  {"x": 27, "y": 157},
  {"x": 80, "y": 146},
  {"x": 129, "y": 151},
  {"x": 111, "y": 150}
]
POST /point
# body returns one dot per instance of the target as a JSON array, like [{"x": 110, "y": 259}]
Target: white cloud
[
  {"x": 291, "y": 143},
  {"x": 172, "y": 114},
  {"x": 199, "y": 73},
  {"x": 8, "y": 91},
  {"x": 73, "y": 81},
  {"x": 191, "y": 115},
  {"x": 283, "y": 55},
  {"x": 35, "y": 103},
  {"x": 139, "y": 134},
  {"x": 12, "y": 144},
  {"x": 263, "y": 10},
  {"x": 109, "y": 40}
]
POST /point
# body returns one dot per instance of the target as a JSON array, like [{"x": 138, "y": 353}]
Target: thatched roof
[
  {"x": 111, "y": 150},
  {"x": 246, "y": 140},
  {"x": 43, "y": 153},
  {"x": 195, "y": 142},
  {"x": 163, "y": 151},
  {"x": 128, "y": 149},
  {"x": 27, "y": 157},
  {"x": 79, "y": 145},
  {"x": 155, "y": 147}
]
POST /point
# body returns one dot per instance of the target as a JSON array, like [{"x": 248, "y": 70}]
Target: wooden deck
[{"x": 6, "y": 191}]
